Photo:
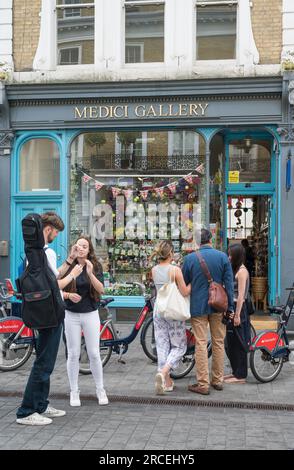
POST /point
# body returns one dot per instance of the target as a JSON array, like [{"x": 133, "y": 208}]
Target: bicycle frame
[
  {"x": 117, "y": 342},
  {"x": 19, "y": 333}
]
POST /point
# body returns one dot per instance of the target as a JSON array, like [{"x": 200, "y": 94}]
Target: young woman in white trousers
[{"x": 81, "y": 298}]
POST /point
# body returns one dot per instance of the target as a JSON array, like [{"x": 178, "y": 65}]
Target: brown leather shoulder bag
[{"x": 217, "y": 296}]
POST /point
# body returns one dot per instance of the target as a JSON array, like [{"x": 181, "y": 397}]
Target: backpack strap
[{"x": 204, "y": 267}]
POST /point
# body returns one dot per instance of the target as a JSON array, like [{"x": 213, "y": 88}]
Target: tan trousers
[{"x": 218, "y": 333}]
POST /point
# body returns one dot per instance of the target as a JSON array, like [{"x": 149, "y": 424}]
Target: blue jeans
[{"x": 35, "y": 399}]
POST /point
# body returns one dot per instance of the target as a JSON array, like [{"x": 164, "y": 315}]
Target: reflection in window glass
[
  {"x": 216, "y": 31},
  {"x": 144, "y": 33},
  {"x": 217, "y": 165},
  {"x": 251, "y": 159},
  {"x": 150, "y": 150},
  {"x": 75, "y": 32},
  {"x": 126, "y": 210},
  {"x": 39, "y": 166}
]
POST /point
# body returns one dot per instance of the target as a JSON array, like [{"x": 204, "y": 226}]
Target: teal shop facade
[{"x": 225, "y": 115}]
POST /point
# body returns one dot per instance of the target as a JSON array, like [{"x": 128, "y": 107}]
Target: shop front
[{"x": 156, "y": 164}]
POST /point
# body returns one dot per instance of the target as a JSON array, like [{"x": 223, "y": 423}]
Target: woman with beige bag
[{"x": 170, "y": 334}]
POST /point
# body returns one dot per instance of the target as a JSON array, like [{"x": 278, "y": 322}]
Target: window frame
[
  {"x": 209, "y": 62},
  {"x": 16, "y": 189},
  {"x": 69, "y": 6},
  {"x": 142, "y": 64},
  {"x": 79, "y": 47}
]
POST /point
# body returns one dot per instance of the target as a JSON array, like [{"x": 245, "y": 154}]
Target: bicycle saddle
[{"x": 104, "y": 302}]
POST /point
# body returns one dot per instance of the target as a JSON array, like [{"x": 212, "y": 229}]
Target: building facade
[{"x": 142, "y": 120}]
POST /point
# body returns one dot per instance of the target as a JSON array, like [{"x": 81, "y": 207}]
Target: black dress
[{"x": 238, "y": 339}]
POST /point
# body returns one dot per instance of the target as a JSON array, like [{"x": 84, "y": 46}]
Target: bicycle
[
  {"x": 111, "y": 342},
  {"x": 270, "y": 349},
  {"x": 17, "y": 341}
]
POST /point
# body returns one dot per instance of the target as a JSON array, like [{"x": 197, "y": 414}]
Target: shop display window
[
  {"x": 39, "y": 166},
  {"x": 216, "y": 30},
  {"x": 75, "y": 31},
  {"x": 144, "y": 32},
  {"x": 127, "y": 211}
]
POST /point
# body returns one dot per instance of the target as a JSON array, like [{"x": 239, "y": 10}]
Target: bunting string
[{"x": 159, "y": 191}]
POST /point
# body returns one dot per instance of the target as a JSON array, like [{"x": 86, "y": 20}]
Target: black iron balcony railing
[{"x": 146, "y": 163}]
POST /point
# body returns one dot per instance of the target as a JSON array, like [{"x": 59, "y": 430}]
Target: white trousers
[{"x": 90, "y": 324}]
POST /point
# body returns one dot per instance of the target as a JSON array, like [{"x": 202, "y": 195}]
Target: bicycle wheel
[
  {"x": 263, "y": 366},
  {"x": 148, "y": 340},
  {"x": 252, "y": 332},
  {"x": 105, "y": 353},
  {"x": 15, "y": 357}
]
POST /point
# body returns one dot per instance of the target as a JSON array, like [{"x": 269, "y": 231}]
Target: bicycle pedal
[{"x": 121, "y": 361}]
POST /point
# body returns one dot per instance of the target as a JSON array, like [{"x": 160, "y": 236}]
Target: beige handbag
[{"x": 171, "y": 304}]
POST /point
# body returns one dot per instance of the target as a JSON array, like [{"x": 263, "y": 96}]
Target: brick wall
[
  {"x": 267, "y": 29},
  {"x": 26, "y": 24}
]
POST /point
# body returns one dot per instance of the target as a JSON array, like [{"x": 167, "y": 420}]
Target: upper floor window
[
  {"x": 39, "y": 166},
  {"x": 216, "y": 29},
  {"x": 144, "y": 31},
  {"x": 75, "y": 31}
]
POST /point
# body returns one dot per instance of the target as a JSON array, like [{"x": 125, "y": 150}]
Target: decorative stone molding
[{"x": 6, "y": 142}]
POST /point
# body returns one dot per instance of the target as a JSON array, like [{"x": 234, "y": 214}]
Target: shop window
[
  {"x": 39, "y": 166},
  {"x": 249, "y": 161},
  {"x": 75, "y": 32},
  {"x": 144, "y": 31},
  {"x": 216, "y": 30},
  {"x": 127, "y": 206}
]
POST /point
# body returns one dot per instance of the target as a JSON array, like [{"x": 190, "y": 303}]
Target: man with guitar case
[{"x": 42, "y": 310}]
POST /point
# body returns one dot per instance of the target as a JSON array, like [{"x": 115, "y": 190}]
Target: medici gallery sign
[{"x": 140, "y": 111}]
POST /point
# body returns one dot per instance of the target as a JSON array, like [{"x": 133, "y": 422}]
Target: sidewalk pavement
[
  {"x": 148, "y": 427},
  {"x": 136, "y": 379}
]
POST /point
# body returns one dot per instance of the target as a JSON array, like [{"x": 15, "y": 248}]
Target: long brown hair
[
  {"x": 162, "y": 251},
  {"x": 97, "y": 270}
]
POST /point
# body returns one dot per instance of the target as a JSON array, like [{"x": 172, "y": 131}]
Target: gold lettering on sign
[
  {"x": 161, "y": 113},
  {"x": 203, "y": 108},
  {"x": 172, "y": 109},
  {"x": 93, "y": 112},
  {"x": 158, "y": 110},
  {"x": 106, "y": 112},
  {"x": 193, "y": 109},
  {"x": 140, "y": 111},
  {"x": 183, "y": 110},
  {"x": 151, "y": 112},
  {"x": 81, "y": 115}
]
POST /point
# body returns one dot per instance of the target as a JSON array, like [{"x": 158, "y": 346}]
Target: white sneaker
[
  {"x": 102, "y": 397},
  {"x": 53, "y": 413},
  {"x": 34, "y": 420},
  {"x": 75, "y": 399}
]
